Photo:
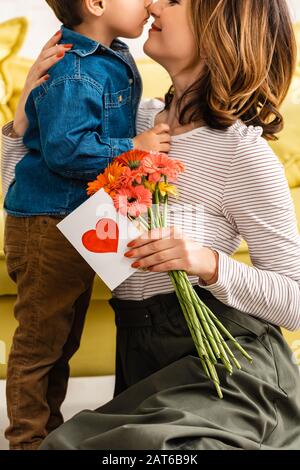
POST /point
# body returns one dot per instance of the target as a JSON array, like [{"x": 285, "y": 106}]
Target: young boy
[{"x": 79, "y": 120}]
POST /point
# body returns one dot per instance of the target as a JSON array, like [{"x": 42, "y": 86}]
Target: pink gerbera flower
[
  {"x": 133, "y": 201},
  {"x": 157, "y": 165}
]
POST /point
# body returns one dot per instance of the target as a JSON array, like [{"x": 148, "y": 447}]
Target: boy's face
[{"x": 126, "y": 18}]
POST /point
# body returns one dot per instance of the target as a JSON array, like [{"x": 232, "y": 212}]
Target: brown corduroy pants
[{"x": 54, "y": 286}]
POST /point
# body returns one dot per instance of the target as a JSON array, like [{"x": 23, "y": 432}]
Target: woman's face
[{"x": 171, "y": 41}]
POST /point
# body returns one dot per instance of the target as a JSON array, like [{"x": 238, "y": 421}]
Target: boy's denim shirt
[{"x": 79, "y": 120}]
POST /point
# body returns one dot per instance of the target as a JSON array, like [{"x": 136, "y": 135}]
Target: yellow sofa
[{"x": 96, "y": 355}]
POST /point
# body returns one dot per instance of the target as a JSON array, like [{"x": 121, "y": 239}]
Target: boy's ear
[{"x": 96, "y": 7}]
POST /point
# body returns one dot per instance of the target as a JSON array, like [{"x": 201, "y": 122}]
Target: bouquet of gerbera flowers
[{"x": 140, "y": 184}]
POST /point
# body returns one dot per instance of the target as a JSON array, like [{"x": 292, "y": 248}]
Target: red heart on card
[{"x": 104, "y": 239}]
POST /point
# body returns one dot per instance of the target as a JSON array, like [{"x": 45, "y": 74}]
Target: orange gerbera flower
[
  {"x": 110, "y": 180},
  {"x": 132, "y": 159}
]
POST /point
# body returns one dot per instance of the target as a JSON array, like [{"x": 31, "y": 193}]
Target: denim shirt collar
[{"x": 84, "y": 46}]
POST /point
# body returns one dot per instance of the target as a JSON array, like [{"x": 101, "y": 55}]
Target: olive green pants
[{"x": 164, "y": 401}]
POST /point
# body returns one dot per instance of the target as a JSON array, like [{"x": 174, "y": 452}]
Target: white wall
[
  {"x": 43, "y": 23},
  {"x": 295, "y": 7}
]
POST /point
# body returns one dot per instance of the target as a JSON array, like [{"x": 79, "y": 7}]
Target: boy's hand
[
  {"x": 156, "y": 140},
  {"x": 51, "y": 53}
]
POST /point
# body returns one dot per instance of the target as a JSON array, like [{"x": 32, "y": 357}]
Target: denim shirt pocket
[{"x": 118, "y": 113}]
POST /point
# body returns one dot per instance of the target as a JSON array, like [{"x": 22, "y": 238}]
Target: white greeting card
[{"x": 100, "y": 234}]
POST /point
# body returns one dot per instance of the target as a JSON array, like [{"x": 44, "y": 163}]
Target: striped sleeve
[
  {"x": 257, "y": 201},
  {"x": 13, "y": 151}
]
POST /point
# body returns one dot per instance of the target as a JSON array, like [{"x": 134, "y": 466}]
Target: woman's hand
[
  {"x": 168, "y": 249},
  {"x": 51, "y": 53}
]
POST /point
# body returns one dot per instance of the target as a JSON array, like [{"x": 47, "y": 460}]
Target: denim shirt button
[
  {"x": 120, "y": 98},
  {"x": 131, "y": 81}
]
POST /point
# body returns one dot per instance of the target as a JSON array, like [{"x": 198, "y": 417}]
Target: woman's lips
[{"x": 155, "y": 28}]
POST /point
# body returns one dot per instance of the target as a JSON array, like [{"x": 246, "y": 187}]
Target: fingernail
[
  {"x": 137, "y": 264},
  {"x": 46, "y": 77},
  {"x": 130, "y": 244},
  {"x": 60, "y": 54},
  {"x": 129, "y": 254},
  {"x": 57, "y": 33},
  {"x": 68, "y": 45}
]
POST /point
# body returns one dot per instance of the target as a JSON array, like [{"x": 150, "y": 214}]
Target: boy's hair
[{"x": 69, "y": 12}]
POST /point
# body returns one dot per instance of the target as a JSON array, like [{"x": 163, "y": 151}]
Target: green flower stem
[
  {"x": 207, "y": 365},
  {"x": 216, "y": 339},
  {"x": 151, "y": 217},
  {"x": 210, "y": 328},
  {"x": 165, "y": 207},
  {"x": 193, "y": 314},
  {"x": 221, "y": 343},
  {"x": 140, "y": 219},
  {"x": 158, "y": 217},
  {"x": 213, "y": 373},
  {"x": 219, "y": 339},
  {"x": 230, "y": 353},
  {"x": 201, "y": 315},
  {"x": 226, "y": 333},
  {"x": 190, "y": 325},
  {"x": 208, "y": 346},
  {"x": 210, "y": 365},
  {"x": 143, "y": 223},
  {"x": 223, "y": 329},
  {"x": 165, "y": 211}
]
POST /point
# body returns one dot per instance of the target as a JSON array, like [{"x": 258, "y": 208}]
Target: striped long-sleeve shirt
[{"x": 233, "y": 188}]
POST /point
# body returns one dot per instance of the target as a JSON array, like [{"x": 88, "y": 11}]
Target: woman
[{"x": 231, "y": 65}]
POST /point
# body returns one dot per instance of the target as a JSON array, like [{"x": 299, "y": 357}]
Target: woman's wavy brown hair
[{"x": 250, "y": 57}]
